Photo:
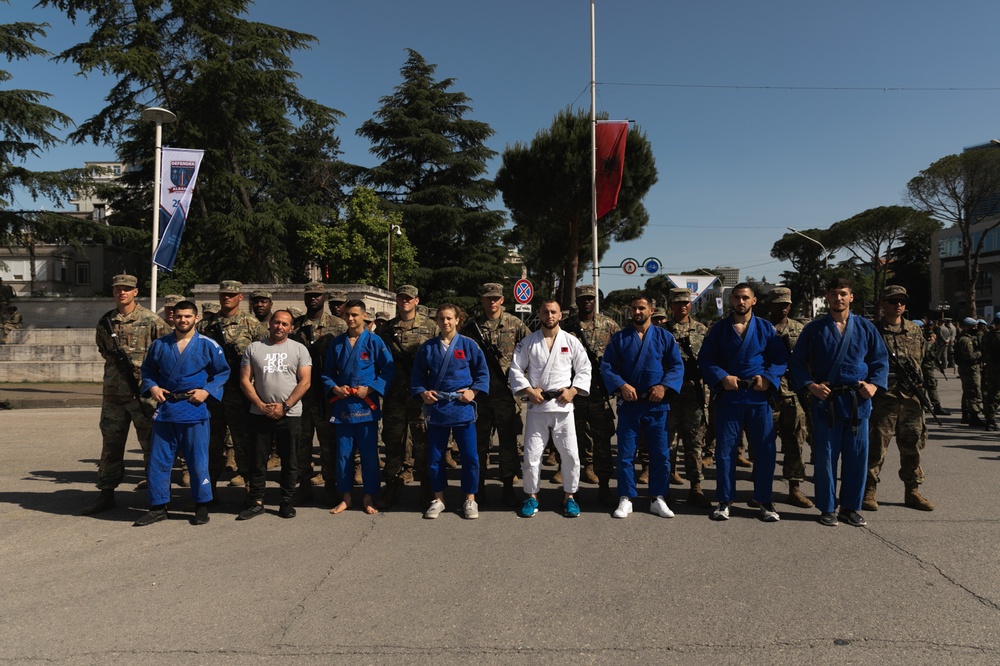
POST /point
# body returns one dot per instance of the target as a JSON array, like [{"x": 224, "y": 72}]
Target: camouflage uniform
[
  {"x": 790, "y": 417},
  {"x": 896, "y": 412},
  {"x": 990, "y": 346},
  {"x": 498, "y": 410},
  {"x": 928, "y": 368},
  {"x": 403, "y": 415},
  {"x": 135, "y": 331},
  {"x": 316, "y": 335},
  {"x": 968, "y": 357},
  {"x": 233, "y": 412},
  {"x": 595, "y": 421},
  {"x": 686, "y": 418}
]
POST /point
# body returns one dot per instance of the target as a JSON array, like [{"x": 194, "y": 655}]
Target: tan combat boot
[
  {"x": 697, "y": 497},
  {"x": 589, "y": 475},
  {"x": 796, "y": 498},
  {"x": 913, "y": 499},
  {"x": 869, "y": 503},
  {"x": 675, "y": 478}
]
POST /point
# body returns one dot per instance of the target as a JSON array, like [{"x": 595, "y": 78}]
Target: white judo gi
[{"x": 536, "y": 366}]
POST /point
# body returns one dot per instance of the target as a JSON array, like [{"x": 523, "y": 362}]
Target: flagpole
[
  {"x": 159, "y": 116},
  {"x": 593, "y": 159}
]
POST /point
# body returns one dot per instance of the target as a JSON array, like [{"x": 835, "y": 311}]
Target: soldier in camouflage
[
  {"x": 594, "y": 418},
  {"x": 498, "y": 333},
  {"x": 897, "y": 411},
  {"x": 261, "y": 304},
  {"x": 234, "y": 331},
  {"x": 990, "y": 346},
  {"x": 968, "y": 358},
  {"x": 315, "y": 329},
  {"x": 930, "y": 366},
  {"x": 403, "y": 416},
  {"x": 135, "y": 329},
  {"x": 789, "y": 416},
  {"x": 686, "y": 418}
]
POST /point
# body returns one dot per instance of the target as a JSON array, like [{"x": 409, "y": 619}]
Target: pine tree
[{"x": 432, "y": 173}]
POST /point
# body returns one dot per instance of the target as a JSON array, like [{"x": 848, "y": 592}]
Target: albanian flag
[{"x": 610, "y": 163}]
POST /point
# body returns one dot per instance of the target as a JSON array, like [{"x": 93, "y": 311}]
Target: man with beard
[
  {"x": 841, "y": 360},
  {"x": 550, "y": 368},
  {"x": 643, "y": 364},
  {"x": 595, "y": 421},
  {"x": 743, "y": 360},
  {"x": 315, "y": 329},
  {"x": 181, "y": 371}
]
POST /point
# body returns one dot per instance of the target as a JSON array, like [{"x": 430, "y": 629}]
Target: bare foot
[
  {"x": 340, "y": 508},
  {"x": 369, "y": 507}
]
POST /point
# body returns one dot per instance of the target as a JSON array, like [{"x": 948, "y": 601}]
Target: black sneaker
[
  {"x": 828, "y": 519},
  {"x": 154, "y": 515},
  {"x": 200, "y": 515},
  {"x": 852, "y": 518},
  {"x": 286, "y": 510},
  {"x": 252, "y": 512}
]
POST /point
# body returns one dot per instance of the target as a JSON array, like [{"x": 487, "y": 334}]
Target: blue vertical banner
[{"x": 178, "y": 174}]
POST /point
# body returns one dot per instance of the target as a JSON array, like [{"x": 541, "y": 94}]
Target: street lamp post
[
  {"x": 826, "y": 262},
  {"x": 393, "y": 228},
  {"x": 155, "y": 114}
]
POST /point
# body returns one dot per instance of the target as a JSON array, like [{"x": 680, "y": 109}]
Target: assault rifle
[
  {"x": 911, "y": 381},
  {"x": 124, "y": 365},
  {"x": 693, "y": 373},
  {"x": 595, "y": 364},
  {"x": 492, "y": 353},
  {"x": 217, "y": 333}
]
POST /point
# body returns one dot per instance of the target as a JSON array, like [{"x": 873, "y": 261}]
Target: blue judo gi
[
  {"x": 759, "y": 351},
  {"x": 182, "y": 425},
  {"x": 367, "y": 363},
  {"x": 840, "y": 423},
  {"x": 461, "y": 366},
  {"x": 642, "y": 363}
]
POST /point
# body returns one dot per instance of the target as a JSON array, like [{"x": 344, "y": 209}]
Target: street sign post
[{"x": 523, "y": 292}]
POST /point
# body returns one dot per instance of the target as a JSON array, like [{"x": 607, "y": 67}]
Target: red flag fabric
[{"x": 610, "y": 163}]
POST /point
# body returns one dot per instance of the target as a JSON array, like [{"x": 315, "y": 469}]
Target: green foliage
[
  {"x": 546, "y": 186},
  {"x": 356, "y": 249},
  {"x": 433, "y": 163},
  {"x": 270, "y": 165}
]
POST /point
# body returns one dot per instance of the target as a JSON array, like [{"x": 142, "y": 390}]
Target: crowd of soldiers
[{"x": 915, "y": 352}]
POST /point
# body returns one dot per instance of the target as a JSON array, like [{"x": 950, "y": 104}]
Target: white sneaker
[
  {"x": 471, "y": 509},
  {"x": 722, "y": 513},
  {"x": 660, "y": 508},
  {"x": 624, "y": 508},
  {"x": 434, "y": 510},
  {"x": 768, "y": 514}
]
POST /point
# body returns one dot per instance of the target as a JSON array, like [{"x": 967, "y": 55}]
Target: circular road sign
[
  {"x": 630, "y": 266},
  {"x": 523, "y": 291},
  {"x": 651, "y": 265}
]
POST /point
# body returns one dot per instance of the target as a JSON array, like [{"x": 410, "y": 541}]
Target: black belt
[
  {"x": 546, "y": 395},
  {"x": 178, "y": 397},
  {"x": 853, "y": 392}
]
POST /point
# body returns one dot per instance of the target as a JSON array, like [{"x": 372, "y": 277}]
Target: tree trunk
[{"x": 572, "y": 266}]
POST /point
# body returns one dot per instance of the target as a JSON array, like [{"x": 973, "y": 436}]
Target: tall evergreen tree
[
  {"x": 433, "y": 162},
  {"x": 230, "y": 82},
  {"x": 546, "y": 186}
]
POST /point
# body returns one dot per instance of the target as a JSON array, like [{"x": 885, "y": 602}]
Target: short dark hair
[
  {"x": 839, "y": 282},
  {"x": 546, "y": 301},
  {"x": 641, "y": 297},
  {"x": 744, "y": 285},
  {"x": 186, "y": 305},
  {"x": 355, "y": 303}
]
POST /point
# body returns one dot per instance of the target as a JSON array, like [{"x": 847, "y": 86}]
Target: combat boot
[
  {"x": 975, "y": 421},
  {"x": 230, "y": 459},
  {"x": 604, "y": 494},
  {"x": 707, "y": 461},
  {"x": 644, "y": 476},
  {"x": 185, "y": 479},
  {"x": 796, "y": 498},
  {"x": 743, "y": 462},
  {"x": 550, "y": 459},
  {"x": 509, "y": 496},
  {"x": 869, "y": 503},
  {"x": 237, "y": 482},
  {"x": 449, "y": 460},
  {"x": 104, "y": 502},
  {"x": 991, "y": 424},
  {"x": 588, "y": 474},
  {"x": 697, "y": 497},
  {"x": 940, "y": 411},
  {"x": 675, "y": 479},
  {"x": 913, "y": 499},
  {"x": 557, "y": 477}
]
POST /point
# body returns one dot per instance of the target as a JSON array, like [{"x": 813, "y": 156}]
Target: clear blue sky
[{"x": 740, "y": 155}]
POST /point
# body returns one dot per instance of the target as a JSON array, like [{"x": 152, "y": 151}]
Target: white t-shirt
[{"x": 274, "y": 368}]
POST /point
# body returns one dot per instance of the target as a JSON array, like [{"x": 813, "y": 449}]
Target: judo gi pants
[
  {"x": 838, "y": 443},
  {"x": 365, "y": 437},
  {"x": 537, "y": 428},
  {"x": 758, "y": 423},
  {"x": 169, "y": 439},
  {"x": 285, "y": 433},
  {"x": 654, "y": 426},
  {"x": 437, "y": 445}
]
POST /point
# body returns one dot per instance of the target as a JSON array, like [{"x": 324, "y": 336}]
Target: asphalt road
[{"x": 912, "y": 587}]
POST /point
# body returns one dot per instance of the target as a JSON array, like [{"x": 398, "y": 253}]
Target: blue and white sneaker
[
  {"x": 571, "y": 509},
  {"x": 529, "y": 508}
]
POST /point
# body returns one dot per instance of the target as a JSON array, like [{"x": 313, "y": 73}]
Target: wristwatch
[{"x": 285, "y": 407}]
